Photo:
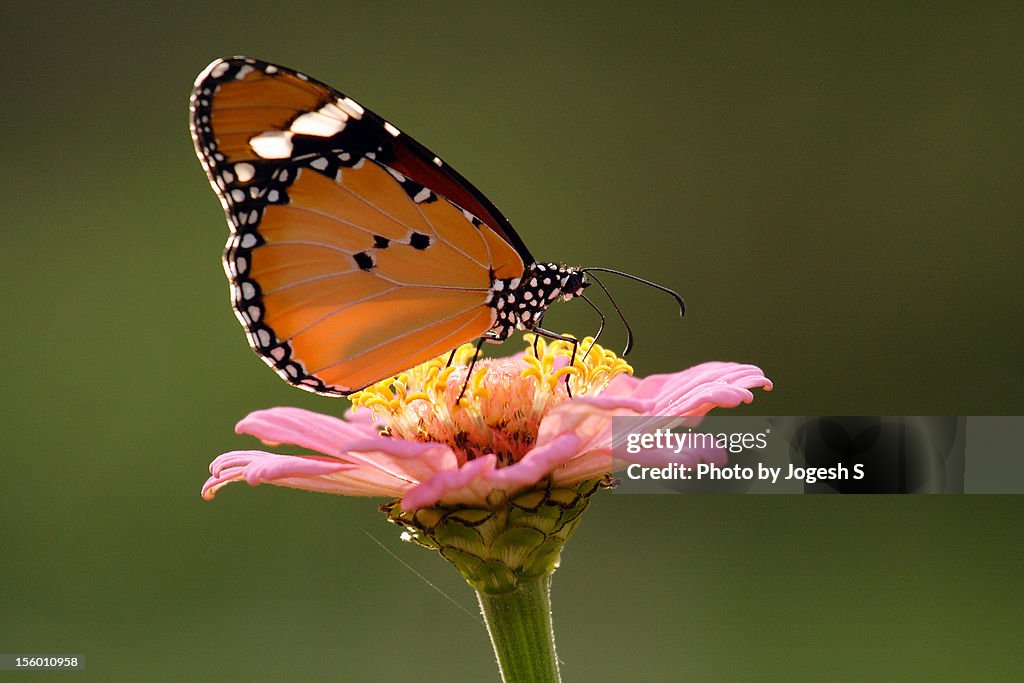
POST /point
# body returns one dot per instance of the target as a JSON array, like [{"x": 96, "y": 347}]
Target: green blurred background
[{"x": 836, "y": 191}]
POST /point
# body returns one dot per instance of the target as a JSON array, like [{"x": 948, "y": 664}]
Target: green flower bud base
[
  {"x": 507, "y": 553},
  {"x": 514, "y": 538}
]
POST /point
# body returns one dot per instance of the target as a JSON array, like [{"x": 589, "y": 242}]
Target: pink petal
[
  {"x": 304, "y": 472},
  {"x": 691, "y": 392},
  {"x": 574, "y": 443},
  {"x": 472, "y": 482},
  {"x": 360, "y": 416},
  {"x": 460, "y": 480},
  {"x": 541, "y": 461},
  {"x": 361, "y": 462},
  {"x": 358, "y": 443},
  {"x": 304, "y": 428}
]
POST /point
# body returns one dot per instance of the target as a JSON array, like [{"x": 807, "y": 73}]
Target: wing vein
[
  {"x": 363, "y": 352},
  {"x": 308, "y": 243},
  {"x": 446, "y": 241},
  {"x": 333, "y": 217},
  {"x": 416, "y": 284},
  {"x": 372, "y": 205},
  {"x": 335, "y": 311},
  {"x": 451, "y": 334}
]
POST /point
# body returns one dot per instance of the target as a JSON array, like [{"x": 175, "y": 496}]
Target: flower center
[{"x": 504, "y": 400}]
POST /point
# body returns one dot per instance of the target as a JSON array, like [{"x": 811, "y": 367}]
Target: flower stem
[{"x": 519, "y": 623}]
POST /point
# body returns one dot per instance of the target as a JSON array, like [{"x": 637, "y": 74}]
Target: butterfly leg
[
  {"x": 488, "y": 336},
  {"x": 600, "y": 327},
  {"x": 472, "y": 364},
  {"x": 536, "y": 336},
  {"x": 548, "y": 334}
]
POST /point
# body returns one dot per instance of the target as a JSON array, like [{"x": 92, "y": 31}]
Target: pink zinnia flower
[{"x": 515, "y": 429}]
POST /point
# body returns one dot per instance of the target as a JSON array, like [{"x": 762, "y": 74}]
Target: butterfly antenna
[
  {"x": 674, "y": 294},
  {"x": 625, "y": 323},
  {"x": 600, "y": 328}
]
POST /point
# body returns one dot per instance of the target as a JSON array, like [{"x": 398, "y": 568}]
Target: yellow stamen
[{"x": 504, "y": 399}]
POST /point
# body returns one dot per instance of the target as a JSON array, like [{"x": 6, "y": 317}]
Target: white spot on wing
[
  {"x": 394, "y": 132},
  {"x": 219, "y": 70},
  {"x": 245, "y": 172},
  {"x": 438, "y": 162},
  {"x": 351, "y": 107},
  {"x": 272, "y": 145},
  {"x": 243, "y": 72},
  {"x": 320, "y": 163},
  {"x": 324, "y": 123},
  {"x": 332, "y": 110},
  {"x": 422, "y": 196}
]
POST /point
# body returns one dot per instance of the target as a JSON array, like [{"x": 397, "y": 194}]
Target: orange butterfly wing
[{"x": 344, "y": 270}]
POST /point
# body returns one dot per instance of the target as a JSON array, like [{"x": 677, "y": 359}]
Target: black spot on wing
[{"x": 364, "y": 260}]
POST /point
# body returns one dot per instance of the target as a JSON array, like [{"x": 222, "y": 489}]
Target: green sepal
[{"x": 514, "y": 538}]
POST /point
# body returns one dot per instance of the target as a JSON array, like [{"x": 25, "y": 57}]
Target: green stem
[{"x": 519, "y": 623}]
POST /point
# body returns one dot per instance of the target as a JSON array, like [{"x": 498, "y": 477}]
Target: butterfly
[{"x": 354, "y": 251}]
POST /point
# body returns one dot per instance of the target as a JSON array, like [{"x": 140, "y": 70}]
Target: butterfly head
[
  {"x": 574, "y": 281},
  {"x": 549, "y": 282}
]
